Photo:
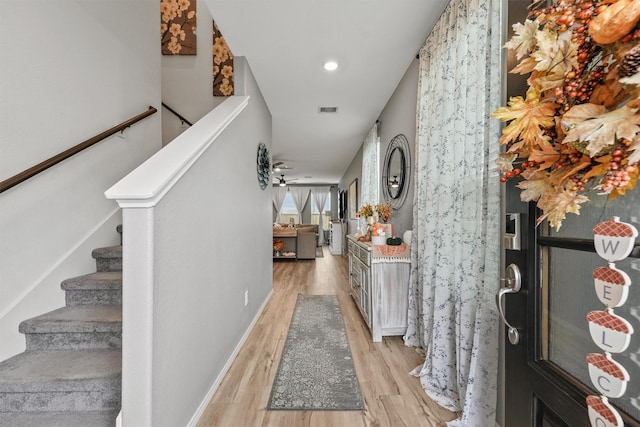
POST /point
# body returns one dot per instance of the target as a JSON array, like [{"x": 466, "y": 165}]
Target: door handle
[{"x": 512, "y": 281}]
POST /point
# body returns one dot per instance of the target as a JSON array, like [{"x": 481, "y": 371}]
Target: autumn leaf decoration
[{"x": 577, "y": 130}]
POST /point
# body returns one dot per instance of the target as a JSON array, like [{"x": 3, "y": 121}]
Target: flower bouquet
[
  {"x": 366, "y": 210},
  {"x": 278, "y": 245},
  {"x": 384, "y": 210}
]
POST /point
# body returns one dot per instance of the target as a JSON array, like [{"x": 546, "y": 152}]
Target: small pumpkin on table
[{"x": 394, "y": 241}]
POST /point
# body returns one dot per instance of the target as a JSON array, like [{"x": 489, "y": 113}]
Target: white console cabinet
[{"x": 380, "y": 287}]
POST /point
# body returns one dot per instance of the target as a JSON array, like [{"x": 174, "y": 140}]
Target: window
[
  {"x": 315, "y": 215},
  {"x": 288, "y": 210}
]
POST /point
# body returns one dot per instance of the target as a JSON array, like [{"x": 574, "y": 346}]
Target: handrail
[
  {"x": 52, "y": 161},
  {"x": 175, "y": 113}
]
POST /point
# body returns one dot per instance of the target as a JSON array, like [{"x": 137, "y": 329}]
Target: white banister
[
  {"x": 147, "y": 184},
  {"x": 159, "y": 283}
]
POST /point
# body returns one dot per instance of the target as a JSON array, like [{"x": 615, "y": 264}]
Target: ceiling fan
[
  {"x": 278, "y": 166},
  {"x": 281, "y": 181}
]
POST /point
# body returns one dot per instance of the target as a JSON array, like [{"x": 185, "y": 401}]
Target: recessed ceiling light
[{"x": 330, "y": 65}]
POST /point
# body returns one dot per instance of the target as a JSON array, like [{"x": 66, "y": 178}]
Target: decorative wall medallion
[
  {"x": 613, "y": 239},
  {"x": 609, "y": 332},
  {"x": 263, "y": 166},
  {"x": 612, "y": 285},
  {"x": 601, "y": 414},
  {"x": 608, "y": 376}
]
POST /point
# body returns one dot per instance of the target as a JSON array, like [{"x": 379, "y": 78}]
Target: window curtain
[
  {"x": 455, "y": 240},
  {"x": 370, "y": 168},
  {"x": 279, "y": 194},
  {"x": 320, "y": 195},
  {"x": 300, "y": 196}
]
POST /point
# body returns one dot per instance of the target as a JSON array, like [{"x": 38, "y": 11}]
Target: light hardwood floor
[{"x": 393, "y": 398}]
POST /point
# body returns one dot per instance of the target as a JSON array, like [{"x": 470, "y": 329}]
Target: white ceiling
[{"x": 286, "y": 43}]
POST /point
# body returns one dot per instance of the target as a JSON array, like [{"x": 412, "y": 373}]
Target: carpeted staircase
[{"x": 70, "y": 373}]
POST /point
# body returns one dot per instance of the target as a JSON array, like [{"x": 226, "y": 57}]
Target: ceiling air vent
[{"x": 328, "y": 109}]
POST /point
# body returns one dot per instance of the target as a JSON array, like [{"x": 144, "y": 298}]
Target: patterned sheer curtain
[
  {"x": 455, "y": 239},
  {"x": 279, "y": 194},
  {"x": 319, "y": 195},
  {"x": 300, "y": 196},
  {"x": 370, "y": 168}
]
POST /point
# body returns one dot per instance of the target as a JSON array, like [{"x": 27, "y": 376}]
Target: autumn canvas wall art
[
  {"x": 222, "y": 65},
  {"x": 178, "y": 27}
]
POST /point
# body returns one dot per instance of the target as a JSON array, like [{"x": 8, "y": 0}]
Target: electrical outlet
[{"x": 246, "y": 298}]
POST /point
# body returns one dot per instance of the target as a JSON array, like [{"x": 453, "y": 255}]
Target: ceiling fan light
[
  {"x": 282, "y": 184},
  {"x": 395, "y": 183}
]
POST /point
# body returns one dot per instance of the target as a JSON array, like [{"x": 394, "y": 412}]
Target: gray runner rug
[{"x": 316, "y": 371}]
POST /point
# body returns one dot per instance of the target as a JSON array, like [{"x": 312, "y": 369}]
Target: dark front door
[
  {"x": 547, "y": 375},
  {"x": 546, "y": 371}
]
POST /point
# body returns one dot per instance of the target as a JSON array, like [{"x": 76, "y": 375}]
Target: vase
[
  {"x": 371, "y": 220},
  {"x": 277, "y": 253},
  {"x": 379, "y": 240}
]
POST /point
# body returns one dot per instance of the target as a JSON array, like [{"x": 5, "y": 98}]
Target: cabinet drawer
[
  {"x": 363, "y": 255},
  {"x": 355, "y": 278},
  {"x": 356, "y": 266}
]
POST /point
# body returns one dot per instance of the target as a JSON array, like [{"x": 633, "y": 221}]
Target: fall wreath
[{"x": 577, "y": 130}]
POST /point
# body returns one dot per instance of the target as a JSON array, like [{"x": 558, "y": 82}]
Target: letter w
[{"x": 608, "y": 244}]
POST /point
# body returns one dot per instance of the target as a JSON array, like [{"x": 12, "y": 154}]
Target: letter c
[{"x": 602, "y": 379}]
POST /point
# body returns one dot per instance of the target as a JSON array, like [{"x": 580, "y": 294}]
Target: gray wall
[
  {"x": 71, "y": 69},
  {"x": 217, "y": 254},
  {"x": 354, "y": 171},
  {"x": 187, "y": 80},
  {"x": 397, "y": 117}
]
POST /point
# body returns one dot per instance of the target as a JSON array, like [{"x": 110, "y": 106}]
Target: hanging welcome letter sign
[
  {"x": 614, "y": 241},
  {"x": 601, "y": 414},
  {"x": 608, "y": 376},
  {"x": 612, "y": 285},
  {"x": 610, "y": 332}
]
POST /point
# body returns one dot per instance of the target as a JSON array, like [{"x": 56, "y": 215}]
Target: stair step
[
  {"x": 59, "y": 419},
  {"x": 94, "y": 289},
  {"x": 61, "y": 381},
  {"x": 108, "y": 258},
  {"x": 82, "y": 327}
]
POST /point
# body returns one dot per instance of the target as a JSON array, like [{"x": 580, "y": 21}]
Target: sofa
[{"x": 306, "y": 237}]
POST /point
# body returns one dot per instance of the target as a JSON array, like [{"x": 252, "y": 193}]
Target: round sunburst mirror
[{"x": 396, "y": 171}]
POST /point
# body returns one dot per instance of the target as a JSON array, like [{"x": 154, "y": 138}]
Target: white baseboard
[{"x": 205, "y": 402}]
